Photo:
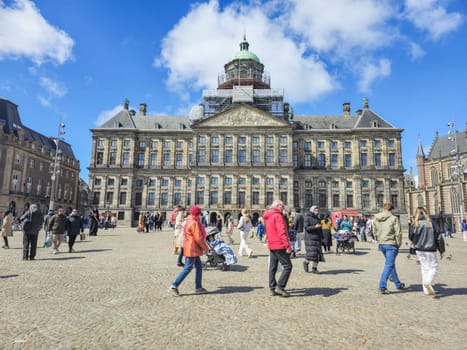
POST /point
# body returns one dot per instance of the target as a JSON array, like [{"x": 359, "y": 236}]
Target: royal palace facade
[
  {"x": 243, "y": 147},
  {"x": 28, "y": 161}
]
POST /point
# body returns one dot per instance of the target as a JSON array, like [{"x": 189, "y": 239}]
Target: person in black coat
[
  {"x": 93, "y": 222},
  {"x": 313, "y": 239},
  {"x": 75, "y": 227},
  {"x": 32, "y": 221}
]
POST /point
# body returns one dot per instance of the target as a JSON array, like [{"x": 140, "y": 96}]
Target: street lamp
[
  {"x": 458, "y": 172},
  {"x": 56, "y": 164}
]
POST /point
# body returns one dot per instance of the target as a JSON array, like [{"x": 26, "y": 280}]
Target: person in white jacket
[{"x": 244, "y": 226}]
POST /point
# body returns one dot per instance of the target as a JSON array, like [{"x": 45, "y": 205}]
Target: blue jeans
[
  {"x": 390, "y": 253},
  {"x": 189, "y": 263}
]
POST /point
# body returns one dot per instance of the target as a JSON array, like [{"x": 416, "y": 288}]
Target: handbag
[{"x": 48, "y": 241}]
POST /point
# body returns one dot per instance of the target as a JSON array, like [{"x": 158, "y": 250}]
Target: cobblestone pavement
[{"x": 113, "y": 294}]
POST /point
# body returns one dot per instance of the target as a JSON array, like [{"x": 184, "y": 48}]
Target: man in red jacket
[{"x": 279, "y": 248}]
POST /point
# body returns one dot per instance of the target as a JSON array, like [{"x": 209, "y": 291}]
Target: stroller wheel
[
  {"x": 213, "y": 263},
  {"x": 225, "y": 267}
]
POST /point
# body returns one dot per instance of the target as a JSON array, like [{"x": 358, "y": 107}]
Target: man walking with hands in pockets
[{"x": 279, "y": 248}]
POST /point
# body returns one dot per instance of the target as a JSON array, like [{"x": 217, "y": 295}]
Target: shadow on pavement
[
  {"x": 325, "y": 292},
  {"x": 9, "y": 276},
  {"x": 233, "y": 289},
  {"x": 444, "y": 291},
  {"x": 338, "y": 272},
  {"x": 92, "y": 250},
  {"x": 61, "y": 258}
]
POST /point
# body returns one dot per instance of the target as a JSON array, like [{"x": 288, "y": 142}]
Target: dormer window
[{"x": 375, "y": 124}]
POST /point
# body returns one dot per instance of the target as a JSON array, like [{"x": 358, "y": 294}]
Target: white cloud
[
  {"x": 54, "y": 88},
  {"x": 371, "y": 71},
  {"x": 107, "y": 114},
  {"x": 24, "y": 32},
  {"x": 302, "y": 43},
  {"x": 430, "y": 16}
]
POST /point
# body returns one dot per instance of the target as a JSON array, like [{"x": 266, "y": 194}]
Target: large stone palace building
[
  {"x": 441, "y": 185},
  {"x": 243, "y": 147},
  {"x": 27, "y": 160}
]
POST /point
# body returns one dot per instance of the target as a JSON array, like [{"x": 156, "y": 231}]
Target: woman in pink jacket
[{"x": 279, "y": 248}]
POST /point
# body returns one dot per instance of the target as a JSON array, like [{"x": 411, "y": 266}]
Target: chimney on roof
[
  {"x": 346, "y": 107},
  {"x": 142, "y": 108},
  {"x": 132, "y": 112},
  {"x": 126, "y": 104},
  {"x": 358, "y": 112},
  {"x": 365, "y": 102}
]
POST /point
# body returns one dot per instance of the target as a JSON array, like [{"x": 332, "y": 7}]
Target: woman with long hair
[
  {"x": 244, "y": 226},
  {"x": 427, "y": 238}
]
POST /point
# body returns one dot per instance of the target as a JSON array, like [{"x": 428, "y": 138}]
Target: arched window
[{"x": 434, "y": 176}]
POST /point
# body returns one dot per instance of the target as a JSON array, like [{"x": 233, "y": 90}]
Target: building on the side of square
[
  {"x": 244, "y": 147},
  {"x": 27, "y": 160},
  {"x": 441, "y": 179}
]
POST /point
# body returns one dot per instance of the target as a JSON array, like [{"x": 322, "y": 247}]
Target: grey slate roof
[
  {"x": 11, "y": 121},
  {"x": 442, "y": 146}
]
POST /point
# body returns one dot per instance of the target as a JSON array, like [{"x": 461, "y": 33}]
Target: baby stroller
[
  {"x": 345, "y": 241},
  {"x": 220, "y": 254}
]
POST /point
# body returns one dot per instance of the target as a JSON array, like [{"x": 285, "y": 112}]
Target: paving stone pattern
[{"x": 113, "y": 294}]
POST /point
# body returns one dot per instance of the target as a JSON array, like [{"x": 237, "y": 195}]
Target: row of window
[
  {"x": 243, "y": 140},
  {"x": 256, "y": 158},
  {"x": 228, "y": 181},
  {"x": 240, "y": 200}
]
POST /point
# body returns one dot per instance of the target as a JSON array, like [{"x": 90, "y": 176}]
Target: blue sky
[{"x": 75, "y": 61}]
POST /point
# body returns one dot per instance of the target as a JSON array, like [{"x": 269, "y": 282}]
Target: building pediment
[{"x": 243, "y": 116}]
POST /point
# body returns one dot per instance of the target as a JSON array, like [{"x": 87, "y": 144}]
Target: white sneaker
[
  {"x": 56, "y": 251},
  {"x": 250, "y": 253},
  {"x": 429, "y": 289}
]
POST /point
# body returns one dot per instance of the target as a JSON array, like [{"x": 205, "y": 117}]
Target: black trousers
[
  {"x": 276, "y": 257},
  {"x": 71, "y": 241},
  {"x": 29, "y": 245}
]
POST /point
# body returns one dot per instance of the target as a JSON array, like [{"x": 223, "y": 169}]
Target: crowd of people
[{"x": 284, "y": 233}]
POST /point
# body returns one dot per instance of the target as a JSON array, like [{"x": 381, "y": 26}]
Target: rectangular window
[
  {"x": 283, "y": 181},
  {"x": 242, "y": 140},
  {"x": 166, "y": 159},
  {"x": 153, "y": 144},
  {"x": 242, "y": 156},
  {"x": 347, "y": 160},
  {"x": 255, "y": 140},
  {"x": 334, "y": 162},
  {"x": 283, "y": 140},
  {"x": 97, "y": 182},
  {"x": 228, "y": 156},
  {"x": 213, "y": 197},
  {"x": 241, "y": 180},
  {"x": 165, "y": 183},
  {"x": 138, "y": 198},
  {"x": 200, "y": 180},
  {"x": 178, "y": 183},
  {"x": 392, "y": 159},
  {"x": 113, "y": 143},
  {"x": 126, "y": 143},
  {"x": 365, "y": 183},
  {"x": 214, "y": 156},
  {"x": 283, "y": 156},
  {"x": 269, "y": 181},
  {"x": 100, "y": 143},
  {"x": 227, "y": 197},
  {"x": 255, "y": 198},
  {"x": 322, "y": 200},
  {"x": 122, "y": 199},
  {"x": 347, "y": 144},
  {"x": 255, "y": 156},
  {"x": 110, "y": 181},
  {"x": 202, "y": 140},
  {"x": 362, "y": 143},
  {"x": 363, "y": 159},
  {"x": 153, "y": 158},
  {"x": 177, "y": 198},
  {"x": 377, "y": 143},
  {"x": 283, "y": 197},
  {"x": 334, "y": 145},
  {"x": 269, "y": 156},
  {"x": 123, "y": 182},
  {"x": 379, "y": 200},
  {"x": 335, "y": 201},
  {"x": 142, "y": 144},
  {"x": 255, "y": 180},
  {"x": 151, "y": 198},
  {"x": 164, "y": 198},
  {"x": 201, "y": 156},
  {"x": 179, "y": 159},
  {"x": 228, "y": 181},
  {"x": 322, "y": 160},
  {"x": 126, "y": 158},
  {"x": 199, "y": 197},
  {"x": 99, "y": 158},
  {"x": 377, "y": 159},
  {"x": 96, "y": 198},
  {"x": 308, "y": 199},
  {"x": 215, "y": 140},
  {"x": 307, "y": 146},
  {"x": 320, "y": 144},
  {"x": 394, "y": 199},
  {"x": 307, "y": 161},
  {"x": 269, "y": 198},
  {"x": 141, "y": 159},
  {"x": 166, "y": 145},
  {"x": 214, "y": 180},
  {"x": 241, "y": 199},
  {"x": 349, "y": 201},
  {"x": 152, "y": 182},
  {"x": 348, "y": 184},
  {"x": 228, "y": 140},
  {"x": 365, "y": 200},
  {"x": 391, "y": 143},
  {"x": 112, "y": 158},
  {"x": 269, "y": 140},
  {"x": 295, "y": 160}
]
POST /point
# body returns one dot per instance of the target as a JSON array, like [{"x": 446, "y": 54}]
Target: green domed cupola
[{"x": 244, "y": 53}]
